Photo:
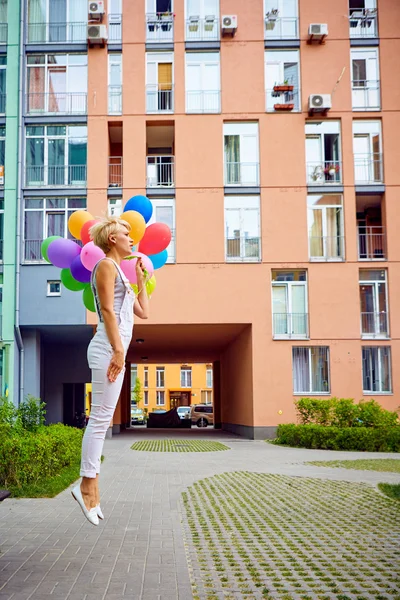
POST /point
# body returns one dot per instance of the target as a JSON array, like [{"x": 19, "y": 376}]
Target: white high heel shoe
[
  {"x": 91, "y": 515},
  {"x": 99, "y": 512}
]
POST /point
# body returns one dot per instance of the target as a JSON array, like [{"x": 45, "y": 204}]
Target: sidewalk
[{"x": 48, "y": 550}]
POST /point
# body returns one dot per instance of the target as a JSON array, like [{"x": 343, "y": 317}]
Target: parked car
[
  {"x": 184, "y": 412},
  {"x": 137, "y": 416},
  {"x": 202, "y": 415}
]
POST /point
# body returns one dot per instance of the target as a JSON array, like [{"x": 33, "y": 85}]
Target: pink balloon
[
  {"x": 156, "y": 238},
  {"x": 91, "y": 255},
  {"x": 129, "y": 266}
]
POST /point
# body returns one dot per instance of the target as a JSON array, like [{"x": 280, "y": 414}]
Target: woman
[{"x": 115, "y": 305}]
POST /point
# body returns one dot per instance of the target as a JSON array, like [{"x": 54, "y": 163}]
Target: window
[
  {"x": 56, "y": 155},
  {"x": 367, "y": 152},
  {"x": 159, "y": 82},
  {"x": 114, "y": 21},
  {"x": 134, "y": 374},
  {"x": 311, "y": 370},
  {"x": 186, "y": 376},
  {"x": 160, "y": 398},
  {"x": 376, "y": 368},
  {"x": 114, "y": 207},
  {"x": 62, "y": 21},
  {"x": 54, "y": 288},
  {"x": 373, "y": 303},
  {"x": 325, "y": 227},
  {"x": 242, "y": 228},
  {"x": 282, "y": 80},
  {"x": 3, "y": 68},
  {"x": 1, "y": 227},
  {"x": 241, "y": 154},
  {"x": 56, "y": 84},
  {"x": 323, "y": 153},
  {"x": 281, "y": 19},
  {"x": 365, "y": 79},
  {"x": 289, "y": 304},
  {"x": 206, "y": 396},
  {"x": 363, "y": 18},
  {"x": 209, "y": 377},
  {"x": 159, "y": 21},
  {"x": 146, "y": 397},
  {"x": 44, "y": 217},
  {"x": 160, "y": 377},
  {"x": 202, "y": 22},
  {"x": 164, "y": 212},
  {"x": 146, "y": 377},
  {"x": 115, "y": 83},
  {"x": 203, "y": 87}
]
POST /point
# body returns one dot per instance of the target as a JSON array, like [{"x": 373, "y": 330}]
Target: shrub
[
  {"x": 32, "y": 413},
  {"x": 344, "y": 412}
]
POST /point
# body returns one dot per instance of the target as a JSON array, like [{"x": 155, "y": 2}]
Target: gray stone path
[{"x": 48, "y": 550}]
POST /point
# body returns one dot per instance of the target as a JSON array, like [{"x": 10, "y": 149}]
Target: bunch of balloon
[{"x": 77, "y": 260}]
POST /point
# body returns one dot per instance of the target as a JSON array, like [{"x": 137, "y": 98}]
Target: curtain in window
[
  {"x": 77, "y": 20},
  {"x": 385, "y": 384},
  {"x": 3, "y": 11},
  {"x": 232, "y": 158},
  {"x": 301, "y": 370},
  {"x": 36, "y": 89},
  {"x": 55, "y": 224},
  {"x": 370, "y": 369},
  {"x": 57, "y": 78},
  {"x": 280, "y": 309},
  {"x": 334, "y": 233},
  {"x": 33, "y": 224},
  {"x": 319, "y": 370},
  {"x": 316, "y": 234},
  {"x": 299, "y": 318},
  {"x": 164, "y": 86},
  {"x": 37, "y": 21},
  {"x": 57, "y": 20}
]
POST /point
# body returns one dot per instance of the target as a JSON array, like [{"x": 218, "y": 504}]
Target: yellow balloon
[
  {"x": 76, "y": 222},
  {"x": 137, "y": 223},
  {"x": 135, "y": 288},
  {"x": 151, "y": 285}
]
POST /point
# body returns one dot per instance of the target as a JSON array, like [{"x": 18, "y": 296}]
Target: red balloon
[
  {"x": 85, "y": 237},
  {"x": 156, "y": 238}
]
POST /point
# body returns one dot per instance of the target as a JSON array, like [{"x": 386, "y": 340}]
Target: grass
[
  {"x": 384, "y": 465},
  {"x": 392, "y": 490},
  {"x": 178, "y": 446},
  {"x": 48, "y": 488}
]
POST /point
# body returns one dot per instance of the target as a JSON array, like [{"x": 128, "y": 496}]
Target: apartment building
[{"x": 265, "y": 135}]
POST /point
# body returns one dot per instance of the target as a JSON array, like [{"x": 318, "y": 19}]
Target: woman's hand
[
  {"x": 140, "y": 270},
  {"x": 116, "y": 365}
]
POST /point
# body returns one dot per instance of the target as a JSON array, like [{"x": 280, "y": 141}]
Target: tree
[{"x": 136, "y": 393}]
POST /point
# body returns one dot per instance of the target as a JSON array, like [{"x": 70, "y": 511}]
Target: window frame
[
  {"x": 324, "y": 208},
  {"x": 160, "y": 394},
  {"x": 160, "y": 377},
  {"x": 185, "y": 375},
  {"x": 51, "y": 282},
  {"x": 326, "y": 392},
  {"x": 363, "y": 374},
  {"x": 289, "y": 285}
]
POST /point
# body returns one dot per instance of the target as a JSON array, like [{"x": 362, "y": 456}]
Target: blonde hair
[{"x": 100, "y": 232}]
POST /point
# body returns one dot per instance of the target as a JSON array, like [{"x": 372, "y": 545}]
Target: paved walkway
[{"x": 48, "y": 550}]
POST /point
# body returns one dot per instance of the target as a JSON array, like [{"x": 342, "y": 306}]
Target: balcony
[
  {"x": 202, "y": 30},
  {"x": 203, "y": 101},
  {"x": 65, "y": 103},
  {"x": 366, "y": 95},
  {"x": 159, "y": 98},
  {"x": 281, "y": 28},
  {"x": 160, "y": 28},
  {"x": 371, "y": 242},
  {"x": 53, "y": 33},
  {"x": 242, "y": 174},
  {"x": 290, "y": 325},
  {"x": 368, "y": 169},
  {"x": 374, "y": 325},
  {"x": 363, "y": 23},
  {"x": 282, "y": 98},
  {"x": 115, "y": 99},
  {"x": 243, "y": 249},
  {"x": 160, "y": 171},
  {"x": 114, "y": 29},
  {"x": 115, "y": 171},
  {"x": 326, "y": 247},
  {"x": 324, "y": 172},
  {"x": 55, "y": 176}
]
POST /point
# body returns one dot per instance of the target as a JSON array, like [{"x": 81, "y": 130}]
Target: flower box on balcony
[
  {"x": 283, "y": 88},
  {"x": 283, "y": 106}
]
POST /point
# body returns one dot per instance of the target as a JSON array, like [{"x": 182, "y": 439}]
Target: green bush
[
  {"x": 368, "y": 439},
  {"x": 344, "y": 412}
]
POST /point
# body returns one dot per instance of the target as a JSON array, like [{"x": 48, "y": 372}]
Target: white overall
[{"x": 104, "y": 393}]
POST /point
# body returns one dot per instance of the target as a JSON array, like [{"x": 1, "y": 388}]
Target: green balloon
[
  {"x": 88, "y": 298},
  {"x": 45, "y": 245},
  {"x": 70, "y": 282}
]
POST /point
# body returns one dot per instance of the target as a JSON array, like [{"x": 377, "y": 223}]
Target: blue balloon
[
  {"x": 142, "y": 205},
  {"x": 159, "y": 259}
]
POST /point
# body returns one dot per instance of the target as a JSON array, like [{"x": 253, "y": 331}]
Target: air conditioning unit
[
  {"x": 318, "y": 103},
  {"x": 96, "y": 34},
  {"x": 318, "y": 30},
  {"x": 96, "y": 8},
  {"x": 229, "y": 23}
]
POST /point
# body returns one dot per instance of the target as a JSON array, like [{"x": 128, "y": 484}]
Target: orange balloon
[
  {"x": 137, "y": 223},
  {"x": 76, "y": 222}
]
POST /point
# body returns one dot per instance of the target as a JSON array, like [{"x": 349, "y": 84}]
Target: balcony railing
[
  {"x": 327, "y": 247},
  {"x": 371, "y": 242},
  {"x": 3, "y": 103},
  {"x": 242, "y": 173},
  {"x": 282, "y": 98},
  {"x": 114, "y": 28},
  {"x": 115, "y": 99},
  {"x": 366, "y": 95},
  {"x": 66, "y": 103},
  {"x": 374, "y": 324},
  {"x": 55, "y": 175},
  {"x": 202, "y": 30},
  {"x": 368, "y": 168},
  {"x": 203, "y": 101},
  {"x": 290, "y": 325},
  {"x": 363, "y": 23},
  {"x": 159, "y": 97},
  {"x": 243, "y": 249},
  {"x": 160, "y": 171},
  {"x": 32, "y": 251},
  {"x": 43, "y": 33},
  {"x": 324, "y": 172},
  {"x": 115, "y": 171},
  {"x": 281, "y": 28},
  {"x": 159, "y": 28}
]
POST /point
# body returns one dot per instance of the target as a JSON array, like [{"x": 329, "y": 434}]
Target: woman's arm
[{"x": 141, "y": 307}]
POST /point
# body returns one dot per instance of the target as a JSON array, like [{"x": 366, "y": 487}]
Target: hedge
[
  {"x": 368, "y": 439},
  {"x": 344, "y": 412}
]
